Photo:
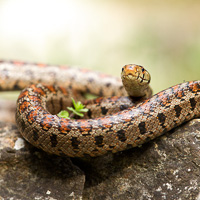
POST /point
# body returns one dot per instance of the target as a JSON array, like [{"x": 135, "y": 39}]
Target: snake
[{"x": 136, "y": 117}]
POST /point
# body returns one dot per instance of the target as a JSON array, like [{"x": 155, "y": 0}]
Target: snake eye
[
  {"x": 122, "y": 69},
  {"x": 142, "y": 69}
]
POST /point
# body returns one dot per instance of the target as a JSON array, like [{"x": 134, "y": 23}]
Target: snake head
[
  {"x": 135, "y": 79},
  {"x": 135, "y": 73}
]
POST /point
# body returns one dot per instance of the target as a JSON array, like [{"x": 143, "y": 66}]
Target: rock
[
  {"x": 166, "y": 168},
  {"x": 7, "y": 110},
  {"x": 28, "y": 173}
]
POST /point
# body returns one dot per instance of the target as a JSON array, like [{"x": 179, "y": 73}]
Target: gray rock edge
[{"x": 165, "y": 168}]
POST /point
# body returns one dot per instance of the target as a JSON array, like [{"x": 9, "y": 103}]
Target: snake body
[{"x": 115, "y": 132}]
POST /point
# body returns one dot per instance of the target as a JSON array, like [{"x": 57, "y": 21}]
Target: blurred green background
[{"x": 104, "y": 35}]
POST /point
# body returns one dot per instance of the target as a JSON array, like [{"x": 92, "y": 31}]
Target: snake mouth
[{"x": 136, "y": 78}]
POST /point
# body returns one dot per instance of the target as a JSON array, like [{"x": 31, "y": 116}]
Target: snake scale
[{"x": 129, "y": 127}]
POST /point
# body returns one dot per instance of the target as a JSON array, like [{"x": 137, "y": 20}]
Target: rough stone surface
[
  {"x": 7, "y": 110},
  {"x": 166, "y": 168},
  {"x": 28, "y": 173}
]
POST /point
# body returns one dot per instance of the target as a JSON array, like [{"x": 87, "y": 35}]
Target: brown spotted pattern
[
  {"x": 15, "y": 75},
  {"x": 129, "y": 127}
]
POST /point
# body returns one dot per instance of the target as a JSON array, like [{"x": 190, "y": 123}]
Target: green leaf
[
  {"x": 75, "y": 111},
  {"x": 83, "y": 110},
  {"x": 63, "y": 114},
  {"x": 74, "y": 103},
  {"x": 70, "y": 108},
  {"x": 78, "y": 108}
]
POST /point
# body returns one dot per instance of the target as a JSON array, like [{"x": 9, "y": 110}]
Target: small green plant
[
  {"x": 77, "y": 110},
  {"x": 63, "y": 114}
]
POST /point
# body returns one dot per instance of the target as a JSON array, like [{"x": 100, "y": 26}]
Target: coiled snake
[{"x": 115, "y": 125}]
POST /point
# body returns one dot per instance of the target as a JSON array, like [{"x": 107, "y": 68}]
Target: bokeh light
[{"x": 105, "y": 35}]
